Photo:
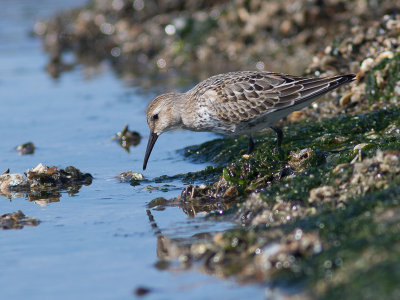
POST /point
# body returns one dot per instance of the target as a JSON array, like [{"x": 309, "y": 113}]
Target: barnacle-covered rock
[
  {"x": 43, "y": 182},
  {"x": 210, "y": 36},
  {"x": 132, "y": 177},
  {"x": 372, "y": 51},
  {"x": 358, "y": 178}
]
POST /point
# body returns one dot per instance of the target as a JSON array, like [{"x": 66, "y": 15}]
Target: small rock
[
  {"x": 360, "y": 146},
  {"x": 345, "y": 100},
  {"x": 160, "y": 201},
  {"x": 296, "y": 116},
  {"x": 27, "y": 148},
  {"x": 231, "y": 192},
  {"x": 129, "y": 176},
  {"x": 299, "y": 160},
  {"x": 142, "y": 291},
  {"x": 321, "y": 194},
  {"x": 397, "y": 89},
  {"x": 127, "y": 138},
  {"x": 17, "y": 220},
  {"x": 367, "y": 65},
  {"x": 383, "y": 55}
]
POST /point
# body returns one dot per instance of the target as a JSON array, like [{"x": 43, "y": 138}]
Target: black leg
[
  {"x": 251, "y": 145},
  {"x": 279, "y": 133}
]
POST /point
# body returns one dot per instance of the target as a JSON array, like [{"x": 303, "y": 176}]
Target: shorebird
[{"x": 236, "y": 103}]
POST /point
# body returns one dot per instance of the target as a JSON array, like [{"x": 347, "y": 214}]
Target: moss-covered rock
[{"x": 320, "y": 215}]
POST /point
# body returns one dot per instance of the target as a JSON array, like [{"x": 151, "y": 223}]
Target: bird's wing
[{"x": 243, "y": 96}]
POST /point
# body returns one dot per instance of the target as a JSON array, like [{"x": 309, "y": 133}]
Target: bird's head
[{"x": 163, "y": 114}]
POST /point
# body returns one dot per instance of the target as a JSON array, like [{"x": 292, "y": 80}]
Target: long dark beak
[{"x": 152, "y": 140}]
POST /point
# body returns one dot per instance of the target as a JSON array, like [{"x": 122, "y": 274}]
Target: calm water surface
[{"x": 98, "y": 244}]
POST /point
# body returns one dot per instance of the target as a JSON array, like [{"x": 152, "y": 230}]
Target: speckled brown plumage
[
  {"x": 236, "y": 103},
  {"x": 242, "y": 96}
]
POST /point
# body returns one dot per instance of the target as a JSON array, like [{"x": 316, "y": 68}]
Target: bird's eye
[{"x": 155, "y": 117}]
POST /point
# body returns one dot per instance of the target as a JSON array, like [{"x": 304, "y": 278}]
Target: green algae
[
  {"x": 335, "y": 181},
  {"x": 356, "y": 245},
  {"x": 357, "y": 238},
  {"x": 332, "y": 142},
  {"x": 208, "y": 175},
  {"x": 218, "y": 151},
  {"x": 351, "y": 241}
]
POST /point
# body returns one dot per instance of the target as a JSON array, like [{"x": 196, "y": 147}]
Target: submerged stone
[
  {"x": 17, "y": 220},
  {"x": 160, "y": 201},
  {"x": 127, "y": 138},
  {"x": 132, "y": 177},
  {"x": 27, "y": 148},
  {"x": 142, "y": 291}
]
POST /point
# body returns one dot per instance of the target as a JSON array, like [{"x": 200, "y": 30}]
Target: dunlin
[{"x": 236, "y": 103}]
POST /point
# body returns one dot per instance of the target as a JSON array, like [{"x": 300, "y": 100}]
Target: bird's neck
[{"x": 177, "y": 107}]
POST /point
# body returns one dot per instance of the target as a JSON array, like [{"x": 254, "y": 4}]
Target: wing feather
[{"x": 242, "y": 96}]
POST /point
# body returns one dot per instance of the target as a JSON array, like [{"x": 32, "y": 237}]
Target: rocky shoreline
[
  {"x": 203, "y": 37},
  {"x": 321, "y": 216}
]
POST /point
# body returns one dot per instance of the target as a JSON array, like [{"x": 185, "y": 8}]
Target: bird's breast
[{"x": 203, "y": 118}]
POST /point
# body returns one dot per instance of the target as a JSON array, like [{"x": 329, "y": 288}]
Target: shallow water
[{"x": 98, "y": 244}]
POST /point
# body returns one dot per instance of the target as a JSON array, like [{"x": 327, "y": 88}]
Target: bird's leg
[
  {"x": 279, "y": 133},
  {"x": 251, "y": 145}
]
